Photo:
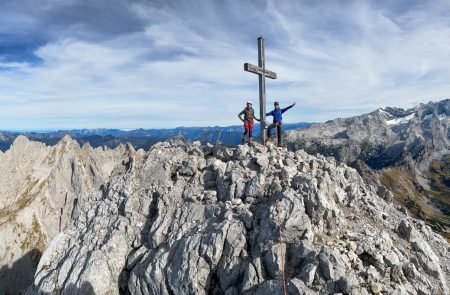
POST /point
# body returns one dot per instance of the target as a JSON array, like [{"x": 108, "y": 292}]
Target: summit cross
[{"x": 262, "y": 72}]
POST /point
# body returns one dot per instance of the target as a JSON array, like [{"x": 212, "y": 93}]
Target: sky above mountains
[{"x": 156, "y": 64}]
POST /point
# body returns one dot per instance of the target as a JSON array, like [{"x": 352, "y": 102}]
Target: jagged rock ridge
[
  {"x": 190, "y": 219},
  {"x": 381, "y": 138},
  {"x": 40, "y": 187},
  {"x": 395, "y": 148}
]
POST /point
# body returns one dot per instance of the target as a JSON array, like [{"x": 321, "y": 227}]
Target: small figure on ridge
[
  {"x": 277, "y": 120},
  {"x": 249, "y": 115}
]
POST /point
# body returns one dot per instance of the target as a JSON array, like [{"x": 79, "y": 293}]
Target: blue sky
[{"x": 152, "y": 64}]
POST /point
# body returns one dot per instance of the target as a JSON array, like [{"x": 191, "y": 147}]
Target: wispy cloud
[{"x": 79, "y": 63}]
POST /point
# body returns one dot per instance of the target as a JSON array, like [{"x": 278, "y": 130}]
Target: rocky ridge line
[
  {"x": 191, "y": 219},
  {"x": 395, "y": 148},
  {"x": 40, "y": 187},
  {"x": 382, "y": 138}
]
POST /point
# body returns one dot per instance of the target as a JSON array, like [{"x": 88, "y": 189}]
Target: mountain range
[
  {"x": 139, "y": 138},
  {"x": 329, "y": 213},
  {"x": 407, "y": 151}
]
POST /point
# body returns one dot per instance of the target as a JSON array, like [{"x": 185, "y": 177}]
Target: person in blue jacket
[{"x": 277, "y": 120}]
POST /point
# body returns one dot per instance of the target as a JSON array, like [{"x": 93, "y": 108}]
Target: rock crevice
[{"x": 190, "y": 219}]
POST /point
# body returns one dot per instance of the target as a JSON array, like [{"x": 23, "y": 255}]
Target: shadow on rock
[
  {"x": 71, "y": 289},
  {"x": 141, "y": 244},
  {"x": 85, "y": 289},
  {"x": 15, "y": 279}
]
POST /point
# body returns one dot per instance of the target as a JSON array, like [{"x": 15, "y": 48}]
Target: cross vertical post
[
  {"x": 262, "y": 90},
  {"x": 261, "y": 71}
]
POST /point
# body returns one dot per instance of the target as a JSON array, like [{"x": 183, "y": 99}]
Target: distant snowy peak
[
  {"x": 396, "y": 116},
  {"x": 382, "y": 112},
  {"x": 401, "y": 120},
  {"x": 396, "y": 112},
  {"x": 406, "y": 119}
]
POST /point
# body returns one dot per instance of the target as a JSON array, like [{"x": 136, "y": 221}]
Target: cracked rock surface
[
  {"x": 40, "y": 187},
  {"x": 190, "y": 219}
]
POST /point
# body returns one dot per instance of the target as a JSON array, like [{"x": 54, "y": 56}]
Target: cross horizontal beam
[{"x": 259, "y": 71}]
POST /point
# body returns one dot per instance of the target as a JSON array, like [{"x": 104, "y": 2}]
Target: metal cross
[{"x": 261, "y": 71}]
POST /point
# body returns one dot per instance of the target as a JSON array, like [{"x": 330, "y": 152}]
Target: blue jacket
[{"x": 276, "y": 113}]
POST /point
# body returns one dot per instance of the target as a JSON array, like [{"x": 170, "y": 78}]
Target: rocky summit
[
  {"x": 407, "y": 151},
  {"x": 385, "y": 137},
  {"x": 186, "y": 218},
  {"x": 40, "y": 187}
]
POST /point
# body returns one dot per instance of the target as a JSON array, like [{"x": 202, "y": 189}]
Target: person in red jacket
[
  {"x": 248, "y": 119},
  {"x": 277, "y": 120}
]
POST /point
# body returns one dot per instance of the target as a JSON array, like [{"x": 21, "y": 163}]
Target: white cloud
[{"x": 185, "y": 65}]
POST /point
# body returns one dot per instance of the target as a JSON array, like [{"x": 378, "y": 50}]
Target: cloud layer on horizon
[{"x": 79, "y": 63}]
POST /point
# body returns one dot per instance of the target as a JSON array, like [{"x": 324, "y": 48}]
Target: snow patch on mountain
[{"x": 401, "y": 120}]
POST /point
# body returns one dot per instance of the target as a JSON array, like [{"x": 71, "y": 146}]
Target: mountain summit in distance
[
  {"x": 406, "y": 151},
  {"x": 139, "y": 138}
]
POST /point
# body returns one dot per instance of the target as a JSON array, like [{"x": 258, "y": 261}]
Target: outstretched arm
[
  {"x": 256, "y": 118},
  {"x": 269, "y": 113},
  {"x": 287, "y": 108}
]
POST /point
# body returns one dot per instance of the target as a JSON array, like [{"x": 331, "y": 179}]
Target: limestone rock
[
  {"x": 41, "y": 189},
  {"x": 189, "y": 219}
]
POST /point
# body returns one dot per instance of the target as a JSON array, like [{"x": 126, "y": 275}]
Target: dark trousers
[
  {"x": 273, "y": 125},
  {"x": 249, "y": 131}
]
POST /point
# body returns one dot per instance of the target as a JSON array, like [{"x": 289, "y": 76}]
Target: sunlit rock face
[
  {"x": 40, "y": 187},
  {"x": 185, "y": 218}
]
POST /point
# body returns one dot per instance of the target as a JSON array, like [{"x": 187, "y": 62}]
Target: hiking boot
[
  {"x": 243, "y": 141},
  {"x": 279, "y": 144},
  {"x": 268, "y": 139},
  {"x": 249, "y": 141}
]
